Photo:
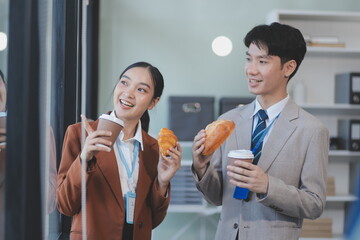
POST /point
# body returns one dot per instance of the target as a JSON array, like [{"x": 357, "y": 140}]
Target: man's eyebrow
[
  {"x": 261, "y": 56},
  {"x": 264, "y": 56}
]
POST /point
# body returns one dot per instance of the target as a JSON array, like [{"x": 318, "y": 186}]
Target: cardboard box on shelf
[
  {"x": 318, "y": 228},
  {"x": 330, "y": 186}
]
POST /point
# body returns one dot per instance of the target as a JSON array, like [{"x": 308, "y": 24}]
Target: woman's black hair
[
  {"x": 2, "y": 76},
  {"x": 159, "y": 86},
  {"x": 3, "y": 79}
]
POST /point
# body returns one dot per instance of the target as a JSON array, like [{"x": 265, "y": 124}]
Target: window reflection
[
  {"x": 52, "y": 97},
  {"x": 4, "y": 16},
  {"x": 3, "y": 41},
  {"x": 3, "y": 94}
]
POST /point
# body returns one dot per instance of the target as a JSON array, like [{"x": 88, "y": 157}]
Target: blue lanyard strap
[
  {"x": 123, "y": 160},
  {"x": 264, "y": 134}
]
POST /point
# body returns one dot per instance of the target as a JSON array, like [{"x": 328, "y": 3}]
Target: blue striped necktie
[{"x": 256, "y": 136}]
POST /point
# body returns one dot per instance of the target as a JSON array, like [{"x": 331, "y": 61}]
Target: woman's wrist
[
  {"x": 163, "y": 186},
  {"x": 83, "y": 157}
]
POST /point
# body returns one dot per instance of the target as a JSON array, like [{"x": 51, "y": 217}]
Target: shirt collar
[
  {"x": 137, "y": 137},
  {"x": 273, "y": 110}
]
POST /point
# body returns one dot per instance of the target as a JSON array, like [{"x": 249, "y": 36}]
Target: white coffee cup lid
[
  {"x": 112, "y": 118},
  {"x": 3, "y": 114},
  {"x": 242, "y": 153}
]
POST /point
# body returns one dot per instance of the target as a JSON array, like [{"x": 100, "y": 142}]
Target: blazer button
[
  {"x": 236, "y": 225},
  {"x": 140, "y": 224}
]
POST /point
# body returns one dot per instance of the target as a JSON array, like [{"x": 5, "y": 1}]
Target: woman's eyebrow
[
  {"x": 125, "y": 76},
  {"x": 145, "y": 84},
  {"x": 141, "y": 83}
]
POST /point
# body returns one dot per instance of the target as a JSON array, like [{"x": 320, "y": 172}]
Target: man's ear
[
  {"x": 290, "y": 67},
  {"x": 153, "y": 103}
]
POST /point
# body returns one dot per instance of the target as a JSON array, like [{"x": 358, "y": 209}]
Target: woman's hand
[
  {"x": 92, "y": 141},
  {"x": 2, "y": 138},
  {"x": 168, "y": 166}
]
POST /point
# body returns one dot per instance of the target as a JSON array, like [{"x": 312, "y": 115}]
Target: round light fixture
[
  {"x": 3, "y": 41},
  {"x": 221, "y": 46}
]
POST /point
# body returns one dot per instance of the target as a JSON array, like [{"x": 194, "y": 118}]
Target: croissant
[
  {"x": 166, "y": 139},
  {"x": 216, "y": 134}
]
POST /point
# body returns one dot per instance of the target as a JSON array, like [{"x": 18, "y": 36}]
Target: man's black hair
[{"x": 280, "y": 40}]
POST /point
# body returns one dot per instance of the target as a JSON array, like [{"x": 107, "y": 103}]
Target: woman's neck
[{"x": 129, "y": 130}]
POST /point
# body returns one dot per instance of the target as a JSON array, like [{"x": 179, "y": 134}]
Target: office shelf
[
  {"x": 317, "y": 74},
  {"x": 333, "y": 238},
  {"x": 341, "y": 198}
]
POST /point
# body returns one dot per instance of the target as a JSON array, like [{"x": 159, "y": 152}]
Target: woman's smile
[{"x": 126, "y": 104}]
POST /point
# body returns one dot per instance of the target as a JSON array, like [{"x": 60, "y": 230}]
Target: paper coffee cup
[
  {"x": 110, "y": 123},
  {"x": 3, "y": 116},
  {"x": 244, "y": 155}
]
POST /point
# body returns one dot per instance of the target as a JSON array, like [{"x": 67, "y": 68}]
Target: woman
[
  {"x": 138, "y": 90},
  {"x": 3, "y": 94},
  {"x": 3, "y": 98}
]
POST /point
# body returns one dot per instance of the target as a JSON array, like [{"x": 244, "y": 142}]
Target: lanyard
[
  {"x": 123, "y": 160},
  {"x": 264, "y": 134}
]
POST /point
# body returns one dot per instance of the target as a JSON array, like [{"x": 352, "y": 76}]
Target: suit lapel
[
  {"x": 281, "y": 132},
  {"x": 147, "y": 170},
  {"x": 109, "y": 168},
  {"x": 106, "y": 161}
]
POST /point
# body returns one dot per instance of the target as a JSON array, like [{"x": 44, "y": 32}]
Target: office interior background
[{"x": 63, "y": 58}]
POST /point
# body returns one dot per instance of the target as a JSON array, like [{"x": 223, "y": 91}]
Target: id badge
[{"x": 130, "y": 198}]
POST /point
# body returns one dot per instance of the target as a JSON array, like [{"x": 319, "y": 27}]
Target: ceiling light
[
  {"x": 3, "y": 41},
  {"x": 222, "y": 46}
]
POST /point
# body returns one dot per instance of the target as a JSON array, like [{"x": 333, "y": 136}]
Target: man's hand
[
  {"x": 200, "y": 162},
  {"x": 248, "y": 175}
]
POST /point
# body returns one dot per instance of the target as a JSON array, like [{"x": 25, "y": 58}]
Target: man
[{"x": 287, "y": 181}]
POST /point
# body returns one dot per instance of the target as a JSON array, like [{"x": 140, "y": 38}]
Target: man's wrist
[
  {"x": 200, "y": 172},
  {"x": 266, "y": 185}
]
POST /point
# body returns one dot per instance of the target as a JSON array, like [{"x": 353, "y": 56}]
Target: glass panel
[{"x": 51, "y": 217}]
